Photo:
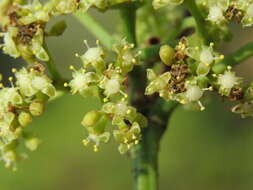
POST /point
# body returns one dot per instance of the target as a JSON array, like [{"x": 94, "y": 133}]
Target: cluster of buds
[
  {"x": 193, "y": 70},
  {"x": 219, "y": 11},
  {"x": 18, "y": 104},
  {"x": 107, "y": 80},
  {"x": 23, "y": 24},
  {"x": 190, "y": 72}
]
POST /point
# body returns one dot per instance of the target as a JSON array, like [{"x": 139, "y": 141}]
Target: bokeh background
[{"x": 211, "y": 150}]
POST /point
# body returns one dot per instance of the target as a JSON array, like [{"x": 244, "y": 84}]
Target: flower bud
[
  {"x": 91, "y": 118},
  {"x": 24, "y": 119},
  {"x": 219, "y": 68},
  {"x": 32, "y": 143},
  {"x": 36, "y": 108},
  {"x": 166, "y": 54}
]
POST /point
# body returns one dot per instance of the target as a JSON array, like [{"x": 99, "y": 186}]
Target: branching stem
[{"x": 95, "y": 28}]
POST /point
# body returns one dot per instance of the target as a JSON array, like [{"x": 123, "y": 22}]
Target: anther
[{"x": 65, "y": 84}]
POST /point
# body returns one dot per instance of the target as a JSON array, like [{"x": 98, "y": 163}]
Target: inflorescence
[
  {"x": 188, "y": 73},
  {"x": 107, "y": 80}
]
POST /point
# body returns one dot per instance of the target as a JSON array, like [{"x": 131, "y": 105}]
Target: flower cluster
[
  {"x": 18, "y": 104},
  {"x": 107, "y": 80},
  {"x": 23, "y": 24},
  {"x": 191, "y": 72},
  {"x": 219, "y": 11}
]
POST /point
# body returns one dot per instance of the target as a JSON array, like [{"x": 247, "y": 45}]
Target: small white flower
[
  {"x": 112, "y": 86},
  {"x": 227, "y": 81},
  {"x": 216, "y": 14},
  {"x": 193, "y": 93},
  {"x": 81, "y": 81},
  {"x": 92, "y": 56},
  {"x": 206, "y": 55}
]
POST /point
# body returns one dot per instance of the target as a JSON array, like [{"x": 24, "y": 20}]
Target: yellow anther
[
  {"x": 105, "y": 99},
  {"x": 229, "y": 67},
  {"x": 211, "y": 44},
  {"x": 197, "y": 48},
  {"x": 125, "y": 140},
  {"x": 214, "y": 75},
  {"x": 10, "y": 78},
  {"x": 13, "y": 70},
  {"x": 32, "y": 69},
  {"x": 1, "y": 85},
  {"x": 222, "y": 56},
  {"x": 95, "y": 148},
  {"x": 65, "y": 84},
  {"x": 134, "y": 60},
  {"x": 71, "y": 67},
  {"x": 134, "y": 137},
  {"x": 128, "y": 111},
  {"x": 136, "y": 142},
  {"x": 97, "y": 42},
  {"x": 202, "y": 108},
  {"x": 77, "y": 55}
]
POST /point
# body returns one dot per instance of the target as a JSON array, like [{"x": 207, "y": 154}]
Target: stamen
[
  {"x": 202, "y": 108},
  {"x": 86, "y": 44}
]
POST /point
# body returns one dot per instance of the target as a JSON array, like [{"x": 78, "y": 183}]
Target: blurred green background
[{"x": 211, "y": 150}]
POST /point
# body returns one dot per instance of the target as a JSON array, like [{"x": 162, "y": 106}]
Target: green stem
[
  {"x": 95, "y": 28},
  {"x": 200, "y": 21},
  {"x": 128, "y": 15},
  {"x": 234, "y": 58},
  {"x": 145, "y": 154},
  {"x": 56, "y": 77},
  {"x": 240, "y": 55}
]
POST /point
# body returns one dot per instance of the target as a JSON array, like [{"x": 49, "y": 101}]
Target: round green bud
[
  {"x": 219, "y": 68},
  {"x": 167, "y": 54},
  {"x": 36, "y": 108},
  {"x": 32, "y": 143},
  {"x": 91, "y": 118},
  {"x": 24, "y": 119}
]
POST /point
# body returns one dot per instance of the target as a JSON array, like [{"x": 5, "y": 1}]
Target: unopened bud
[
  {"x": 36, "y": 108},
  {"x": 32, "y": 143},
  {"x": 166, "y": 54},
  {"x": 24, "y": 119},
  {"x": 91, "y": 118}
]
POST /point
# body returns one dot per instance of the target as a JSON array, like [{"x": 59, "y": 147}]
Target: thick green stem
[
  {"x": 200, "y": 21},
  {"x": 145, "y": 159},
  {"x": 128, "y": 15},
  {"x": 145, "y": 154},
  {"x": 95, "y": 28}
]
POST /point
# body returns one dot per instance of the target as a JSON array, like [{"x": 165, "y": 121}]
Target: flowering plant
[{"x": 140, "y": 79}]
